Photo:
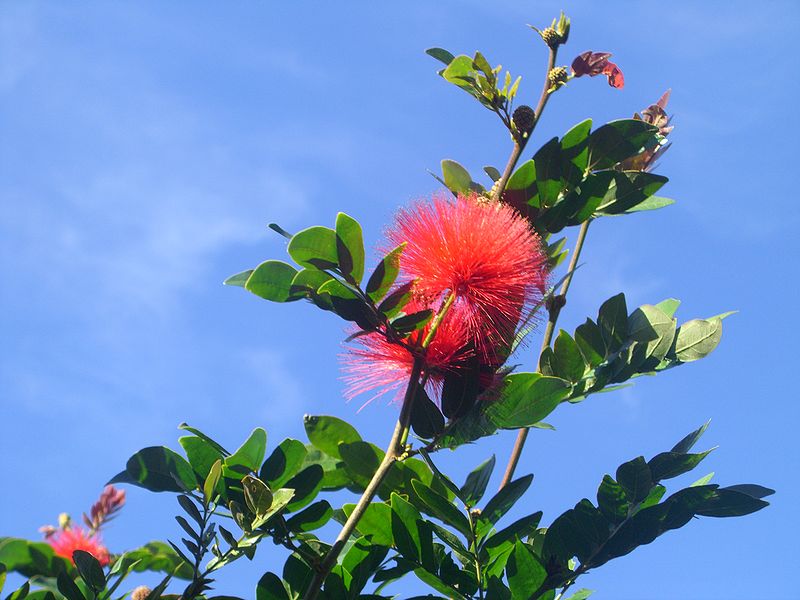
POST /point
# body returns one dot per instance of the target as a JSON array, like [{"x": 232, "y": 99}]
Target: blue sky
[{"x": 144, "y": 147}]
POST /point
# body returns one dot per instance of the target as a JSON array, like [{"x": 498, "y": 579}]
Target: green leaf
[
  {"x": 751, "y": 489},
  {"x": 493, "y": 173},
  {"x": 704, "y": 480},
  {"x": 475, "y": 486},
  {"x": 297, "y": 574},
  {"x": 520, "y": 528},
  {"x": 442, "y": 508},
  {"x": 440, "y": 586},
  {"x": 270, "y": 587},
  {"x": 590, "y": 341},
  {"x": 158, "y": 556},
  {"x": 440, "y": 54},
  {"x": 667, "y": 465},
  {"x": 240, "y": 279},
  {"x": 31, "y": 558},
  {"x": 188, "y": 505},
  {"x": 460, "y": 72},
  {"x": 612, "y": 500},
  {"x": 577, "y": 532},
  {"x": 581, "y": 594},
  {"x": 257, "y": 495},
  {"x": 407, "y": 324},
  {"x": 449, "y": 538},
  {"x": 688, "y": 442},
  {"x": 574, "y": 146},
  {"x": 654, "y": 497},
  {"x": 394, "y": 302},
  {"x": 525, "y": 572},
  {"x": 272, "y": 280},
  {"x": 200, "y": 453},
  {"x": 569, "y": 362},
  {"x": 525, "y": 399},
  {"x": 427, "y": 420},
  {"x": 635, "y": 478},
  {"x": 306, "y": 485},
  {"x": 655, "y": 328},
  {"x": 651, "y": 203},
  {"x": 649, "y": 523},
  {"x": 376, "y": 522},
  {"x": 613, "y": 322},
  {"x": 314, "y": 247},
  {"x": 67, "y": 587},
  {"x": 350, "y": 248},
  {"x": 158, "y": 469},
  {"x": 618, "y": 140},
  {"x": 280, "y": 230},
  {"x": 212, "y": 479},
  {"x": 629, "y": 189},
  {"x": 22, "y": 592},
  {"x": 248, "y": 457},
  {"x": 385, "y": 274},
  {"x": 280, "y": 501},
  {"x": 342, "y": 300},
  {"x": 362, "y": 560},
  {"x": 456, "y": 177},
  {"x": 460, "y": 390},
  {"x": 727, "y": 502},
  {"x": 200, "y": 434},
  {"x": 335, "y": 476},
  {"x": 579, "y": 203},
  {"x": 283, "y": 463},
  {"x": 307, "y": 283},
  {"x": 523, "y": 177},
  {"x": 521, "y": 187},
  {"x": 90, "y": 570},
  {"x": 405, "y": 530},
  {"x": 696, "y": 339},
  {"x": 3, "y": 573},
  {"x": 311, "y": 518},
  {"x": 446, "y": 482},
  {"x": 548, "y": 172},
  {"x": 503, "y": 500},
  {"x": 326, "y": 433},
  {"x": 361, "y": 460}
]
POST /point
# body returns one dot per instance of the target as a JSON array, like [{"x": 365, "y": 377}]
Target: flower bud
[
  {"x": 557, "y": 34},
  {"x": 557, "y": 77},
  {"x": 140, "y": 593},
  {"x": 550, "y": 37},
  {"x": 524, "y": 118}
]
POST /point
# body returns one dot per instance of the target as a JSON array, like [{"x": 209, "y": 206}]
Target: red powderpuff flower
[
  {"x": 66, "y": 541},
  {"x": 485, "y": 253},
  {"x": 379, "y": 365}
]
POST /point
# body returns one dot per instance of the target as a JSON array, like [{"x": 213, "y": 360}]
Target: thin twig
[
  {"x": 554, "y": 310},
  {"x": 393, "y": 451},
  {"x": 520, "y": 141}
]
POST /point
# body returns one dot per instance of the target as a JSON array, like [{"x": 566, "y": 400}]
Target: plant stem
[
  {"x": 393, "y": 451},
  {"x": 474, "y": 548},
  {"x": 520, "y": 141},
  {"x": 396, "y": 450},
  {"x": 554, "y": 310}
]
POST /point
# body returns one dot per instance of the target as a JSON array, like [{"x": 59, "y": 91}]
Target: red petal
[{"x": 615, "y": 77}]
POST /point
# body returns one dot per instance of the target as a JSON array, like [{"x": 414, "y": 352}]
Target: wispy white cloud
[{"x": 278, "y": 393}]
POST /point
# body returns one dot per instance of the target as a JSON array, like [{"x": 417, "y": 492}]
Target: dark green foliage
[
  {"x": 629, "y": 512},
  {"x": 574, "y": 179}
]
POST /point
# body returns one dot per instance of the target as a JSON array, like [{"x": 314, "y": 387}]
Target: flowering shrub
[{"x": 465, "y": 277}]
